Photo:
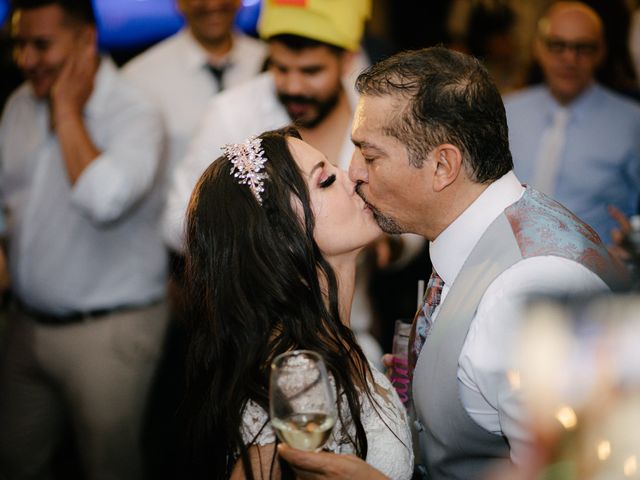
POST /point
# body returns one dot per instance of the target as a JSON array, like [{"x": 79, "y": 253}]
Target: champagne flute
[{"x": 301, "y": 401}]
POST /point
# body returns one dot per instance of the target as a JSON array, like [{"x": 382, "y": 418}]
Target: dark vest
[{"x": 453, "y": 445}]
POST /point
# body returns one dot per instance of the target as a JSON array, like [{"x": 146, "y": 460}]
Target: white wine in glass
[{"x": 302, "y": 404}]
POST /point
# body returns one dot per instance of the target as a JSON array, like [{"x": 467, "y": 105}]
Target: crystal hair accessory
[{"x": 248, "y": 161}]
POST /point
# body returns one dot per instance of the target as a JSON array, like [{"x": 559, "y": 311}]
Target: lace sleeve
[
  {"x": 388, "y": 432},
  {"x": 255, "y": 425}
]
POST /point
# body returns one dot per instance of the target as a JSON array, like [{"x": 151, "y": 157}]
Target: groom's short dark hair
[{"x": 450, "y": 98}]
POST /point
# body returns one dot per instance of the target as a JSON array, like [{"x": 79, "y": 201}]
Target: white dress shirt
[
  {"x": 174, "y": 72},
  {"x": 95, "y": 244},
  {"x": 483, "y": 365}
]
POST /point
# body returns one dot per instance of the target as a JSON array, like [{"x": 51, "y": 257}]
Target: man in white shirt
[
  {"x": 433, "y": 158},
  {"x": 184, "y": 71},
  {"x": 80, "y": 177}
]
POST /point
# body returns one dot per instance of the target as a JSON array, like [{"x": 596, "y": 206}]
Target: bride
[{"x": 273, "y": 233}]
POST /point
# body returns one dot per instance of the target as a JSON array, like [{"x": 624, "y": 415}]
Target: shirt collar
[
  {"x": 578, "y": 107},
  {"x": 450, "y": 250},
  {"x": 195, "y": 56}
]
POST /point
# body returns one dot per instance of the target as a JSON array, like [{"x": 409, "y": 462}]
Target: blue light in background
[
  {"x": 248, "y": 14},
  {"x": 133, "y": 23},
  {"x": 4, "y": 11}
]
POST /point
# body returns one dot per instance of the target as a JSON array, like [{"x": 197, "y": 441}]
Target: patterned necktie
[
  {"x": 550, "y": 152},
  {"x": 424, "y": 318}
]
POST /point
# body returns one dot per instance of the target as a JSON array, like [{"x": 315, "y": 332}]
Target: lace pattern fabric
[{"x": 385, "y": 422}]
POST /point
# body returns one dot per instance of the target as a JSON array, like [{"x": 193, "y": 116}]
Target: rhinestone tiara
[{"x": 248, "y": 162}]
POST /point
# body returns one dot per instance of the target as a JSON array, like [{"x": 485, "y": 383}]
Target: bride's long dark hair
[{"x": 257, "y": 286}]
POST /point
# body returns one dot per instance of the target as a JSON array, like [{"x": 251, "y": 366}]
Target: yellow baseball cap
[{"x": 336, "y": 22}]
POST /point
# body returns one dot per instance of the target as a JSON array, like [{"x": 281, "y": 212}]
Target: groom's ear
[{"x": 448, "y": 161}]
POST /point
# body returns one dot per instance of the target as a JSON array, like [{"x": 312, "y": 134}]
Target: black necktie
[{"x": 217, "y": 72}]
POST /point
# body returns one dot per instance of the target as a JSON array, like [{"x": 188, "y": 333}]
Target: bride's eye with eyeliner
[{"x": 328, "y": 181}]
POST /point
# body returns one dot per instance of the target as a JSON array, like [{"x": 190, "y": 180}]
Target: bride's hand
[{"x": 325, "y": 465}]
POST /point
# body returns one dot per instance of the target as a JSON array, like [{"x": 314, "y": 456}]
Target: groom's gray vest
[{"x": 454, "y": 446}]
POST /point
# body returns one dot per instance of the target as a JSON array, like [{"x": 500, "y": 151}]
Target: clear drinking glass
[{"x": 301, "y": 401}]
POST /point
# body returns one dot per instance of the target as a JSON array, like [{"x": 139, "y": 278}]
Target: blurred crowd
[{"x": 499, "y": 31}]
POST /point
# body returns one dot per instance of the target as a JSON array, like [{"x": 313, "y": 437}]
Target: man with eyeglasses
[{"x": 571, "y": 137}]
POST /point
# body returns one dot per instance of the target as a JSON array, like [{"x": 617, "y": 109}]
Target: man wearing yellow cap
[{"x": 312, "y": 47}]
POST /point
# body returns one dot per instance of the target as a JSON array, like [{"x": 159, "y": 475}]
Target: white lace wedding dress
[{"x": 385, "y": 423}]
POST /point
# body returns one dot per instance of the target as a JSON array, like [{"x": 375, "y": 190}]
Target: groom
[{"x": 433, "y": 158}]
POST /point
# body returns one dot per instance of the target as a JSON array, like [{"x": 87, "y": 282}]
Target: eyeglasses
[{"x": 557, "y": 46}]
